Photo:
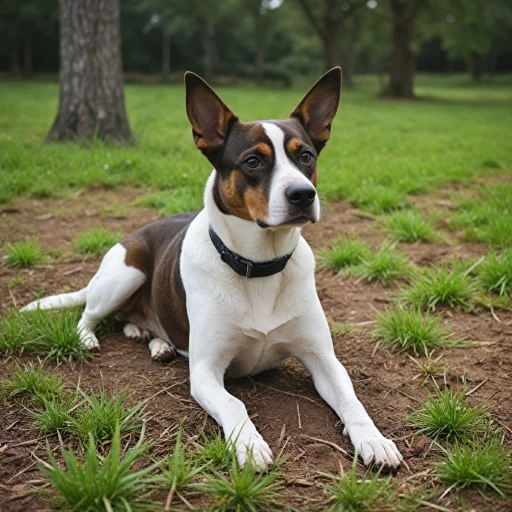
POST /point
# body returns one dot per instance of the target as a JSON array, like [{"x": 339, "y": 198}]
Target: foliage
[
  {"x": 24, "y": 254},
  {"x": 101, "y": 483},
  {"x": 481, "y": 465},
  {"x": 97, "y": 241},
  {"x": 495, "y": 273},
  {"x": 410, "y": 226},
  {"x": 409, "y": 329},
  {"x": 345, "y": 252},
  {"x": 448, "y": 415}
]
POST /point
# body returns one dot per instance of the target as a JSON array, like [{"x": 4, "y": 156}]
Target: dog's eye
[
  {"x": 306, "y": 157},
  {"x": 252, "y": 162}
]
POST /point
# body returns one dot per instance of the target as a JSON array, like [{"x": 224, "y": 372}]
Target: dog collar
[{"x": 246, "y": 267}]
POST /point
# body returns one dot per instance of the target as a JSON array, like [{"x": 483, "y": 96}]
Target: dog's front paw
[
  {"x": 253, "y": 447},
  {"x": 374, "y": 448}
]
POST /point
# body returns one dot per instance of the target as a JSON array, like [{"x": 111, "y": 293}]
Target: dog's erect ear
[
  {"x": 317, "y": 109},
  {"x": 209, "y": 116}
]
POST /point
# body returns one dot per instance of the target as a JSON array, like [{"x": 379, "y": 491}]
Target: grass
[
  {"x": 101, "y": 483},
  {"x": 214, "y": 452},
  {"x": 379, "y": 151},
  {"x": 495, "y": 273},
  {"x": 345, "y": 252},
  {"x": 179, "y": 470},
  {"x": 438, "y": 287},
  {"x": 173, "y": 201},
  {"x": 383, "y": 267},
  {"x": 479, "y": 465},
  {"x": 51, "y": 334},
  {"x": 99, "y": 416},
  {"x": 97, "y": 241},
  {"x": 488, "y": 217},
  {"x": 54, "y": 415},
  {"x": 403, "y": 330},
  {"x": 448, "y": 415},
  {"x": 245, "y": 489},
  {"x": 410, "y": 226},
  {"x": 26, "y": 253},
  {"x": 353, "y": 494},
  {"x": 32, "y": 382}
]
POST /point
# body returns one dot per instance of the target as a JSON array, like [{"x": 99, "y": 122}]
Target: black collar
[{"x": 245, "y": 267}]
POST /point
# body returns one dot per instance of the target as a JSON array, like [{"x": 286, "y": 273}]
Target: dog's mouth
[{"x": 299, "y": 220}]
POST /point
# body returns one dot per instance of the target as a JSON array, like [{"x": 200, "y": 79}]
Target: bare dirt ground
[{"x": 283, "y": 402}]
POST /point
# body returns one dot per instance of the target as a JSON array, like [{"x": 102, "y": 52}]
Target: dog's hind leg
[{"x": 113, "y": 284}]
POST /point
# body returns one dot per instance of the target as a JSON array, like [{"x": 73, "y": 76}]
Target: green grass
[
  {"x": 448, "y": 415},
  {"x": 440, "y": 287},
  {"x": 485, "y": 466},
  {"x": 345, "y": 252},
  {"x": 495, "y": 273},
  {"x": 15, "y": 282},
  {"x": 351, "y": 493},
  {"x": 26, "y": 253},
  {"x": 488, "y": 217},
  {"x": 54, "y": 414},
  {"x": 46, "y": 333},
  {"x": 97, "y": 241},
  {"x": 101, "y": 483},
  {"x": 410, "y": 226},
  {"x": 245, "y": 489},
  {"x": 99, "y": 415},
  {"x": 379, "y": 150},
  {"x": 383, "y": 267},
  {"x": 403, "y": 330},
  {"x": 179, "y": 470},
  {"x": 32, "y": 382},
  {"x": 213, "y": 451},
  {"x": 173, "y": 201}
]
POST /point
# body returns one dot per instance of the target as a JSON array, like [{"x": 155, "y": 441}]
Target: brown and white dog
[{"x": 233, "y": 286}]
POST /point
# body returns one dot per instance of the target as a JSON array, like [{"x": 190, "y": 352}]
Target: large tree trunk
[
  {"x": 476, "y": 65},
  {"x": 209, "y": 49},
  {"x": 91, "y": 80},
  {"x": 27, "y": 53},
  {"x": 335, "y": 56},
  {"x": 403, "y": 57},
  {"x": 166, "y": 54}
]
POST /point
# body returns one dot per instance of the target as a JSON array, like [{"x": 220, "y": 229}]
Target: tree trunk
[
  {"x": 209, "y": 50},
  {"x": 403, "y": 57},
  {"x": 27, "y": 53},
  {"x": 166, "y": 54},
  {"x": 476, "y": 65},
  {"x": 259, "y": 63},
  {"x": 334, "y": 56},
  {"x": 91, "y": 102},
  {"x": 14, "y": 55}
]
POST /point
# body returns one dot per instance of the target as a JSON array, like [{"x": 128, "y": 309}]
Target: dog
[{"x": 232, "y": 287}]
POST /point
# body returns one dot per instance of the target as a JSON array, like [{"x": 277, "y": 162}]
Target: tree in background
[
  {"x": 91, "y": 100},
  {"x": 329, "y": 19},
  {"x": 476, "y": 30},
  {"x": 402, "y": 61}
]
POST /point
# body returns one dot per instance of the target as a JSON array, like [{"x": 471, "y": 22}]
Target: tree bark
[
  {"x": 166, "y": 54},
  {"x": 403, "y": 57},
  {"x": 27, "y": 53},
  {"x": 476, "y": 65},
  {"x": 91, "y": 102},
  {"x": 209, "y": 50}
]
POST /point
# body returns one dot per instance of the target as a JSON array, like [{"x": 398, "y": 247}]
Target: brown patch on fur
[
  {"x": 314, "y": 177},
  {"x": 241, "y": 200},
  {"x": 293, "y": 145},
  {"x": 264, "y": 149}
]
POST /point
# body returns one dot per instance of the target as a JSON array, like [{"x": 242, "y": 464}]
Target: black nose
[{"x": 301, "y": 195}]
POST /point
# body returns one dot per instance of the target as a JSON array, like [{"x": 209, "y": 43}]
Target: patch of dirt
[{"x": 283, "y": 402}]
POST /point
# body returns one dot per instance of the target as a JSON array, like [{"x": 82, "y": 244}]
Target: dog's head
[{"x": 266, "y": 170}]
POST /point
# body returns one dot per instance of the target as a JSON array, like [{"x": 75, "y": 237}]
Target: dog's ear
[
  {"x": 209, "y": 116},
  {"x": 318, "y": 107}
]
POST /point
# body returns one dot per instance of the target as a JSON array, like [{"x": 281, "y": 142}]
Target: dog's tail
[{"x": 63, "y": 300}]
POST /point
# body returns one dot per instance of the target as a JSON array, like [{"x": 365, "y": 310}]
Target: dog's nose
[{"x": 301, "y": 195}]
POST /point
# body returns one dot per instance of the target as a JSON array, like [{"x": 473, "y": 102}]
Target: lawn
[{"x": 414, "y": 273}]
